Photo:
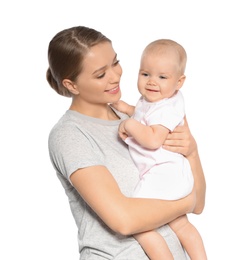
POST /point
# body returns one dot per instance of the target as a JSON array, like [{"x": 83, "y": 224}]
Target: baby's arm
[
  {"x": 124, "y": 107},
  {"x": 151, "y": 137}
]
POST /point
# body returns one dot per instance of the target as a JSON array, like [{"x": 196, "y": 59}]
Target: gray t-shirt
[{"x": 79, "y": 141}]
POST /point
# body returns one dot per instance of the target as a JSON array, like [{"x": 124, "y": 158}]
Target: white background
[{"x": 35, "y": 220}]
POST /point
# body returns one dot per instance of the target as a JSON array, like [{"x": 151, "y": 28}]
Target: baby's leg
[
  {"x": 154, "y": 245},
  {"x": 189, "y": 238}
]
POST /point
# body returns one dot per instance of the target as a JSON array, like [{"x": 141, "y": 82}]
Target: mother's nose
[{"x": 115, "y": 73}]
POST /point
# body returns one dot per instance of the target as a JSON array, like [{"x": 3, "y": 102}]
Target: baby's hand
[
  {"x": 123, "y": 107},
  {"x": 120, "y": 106},
  {"x": 122, "y": 131}
]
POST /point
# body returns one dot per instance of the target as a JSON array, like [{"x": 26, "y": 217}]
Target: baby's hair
[{"x": 163, "y": 44}]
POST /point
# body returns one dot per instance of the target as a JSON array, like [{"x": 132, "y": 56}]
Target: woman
[{"x": 94, "y": 165}]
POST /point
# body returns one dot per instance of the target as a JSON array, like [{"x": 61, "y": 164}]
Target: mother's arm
[
  {"x": 182, "y": 141},
  {"x": 122, "y": 214}
]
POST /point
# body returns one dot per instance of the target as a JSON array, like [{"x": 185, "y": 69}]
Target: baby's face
[{"x": 159, "y": 75}]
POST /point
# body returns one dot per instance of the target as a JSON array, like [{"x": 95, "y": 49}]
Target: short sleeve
[
  {"x": 71, "y": 149},
  {"x": 170, "y": 114}
]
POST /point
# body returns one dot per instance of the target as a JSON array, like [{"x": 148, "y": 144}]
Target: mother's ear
[{"x": 70, "y": 85}]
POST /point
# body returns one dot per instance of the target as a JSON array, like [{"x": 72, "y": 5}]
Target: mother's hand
[{"x": 181, "y": 141}]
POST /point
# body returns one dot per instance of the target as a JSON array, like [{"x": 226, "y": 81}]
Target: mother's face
[{"x": 98, "y": 83}]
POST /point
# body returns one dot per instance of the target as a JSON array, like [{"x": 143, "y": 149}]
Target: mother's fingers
[
  {"x": 176, "y": 136},
  {"x": 175, "y": 142},
  {"x": 176, "y": 149}
]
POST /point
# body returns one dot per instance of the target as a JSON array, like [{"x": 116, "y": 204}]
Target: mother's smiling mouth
[{"x": 113, "y": 90}]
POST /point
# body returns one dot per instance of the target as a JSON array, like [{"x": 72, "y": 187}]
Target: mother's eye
[
  {"x": 116, "y": 63},
  {"x": 101, "y": 76}
]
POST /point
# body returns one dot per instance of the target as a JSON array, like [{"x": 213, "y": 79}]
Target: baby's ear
[
  {"x": 181, "y": 81},
  {"x": 71, "y": 86}
]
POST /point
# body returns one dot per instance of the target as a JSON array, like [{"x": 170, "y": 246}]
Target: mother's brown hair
[{"x": 66, "y": 52}]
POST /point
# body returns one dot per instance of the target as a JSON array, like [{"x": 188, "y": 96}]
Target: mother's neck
[{"x": 101, "y": 111}]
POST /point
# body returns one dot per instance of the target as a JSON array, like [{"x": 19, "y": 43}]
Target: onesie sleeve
[{"x": 170, "y": 114}]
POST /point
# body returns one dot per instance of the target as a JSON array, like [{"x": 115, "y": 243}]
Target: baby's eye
[
  {"x": 145, "y": 74},
  {"x": 162, "y": 77}
]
